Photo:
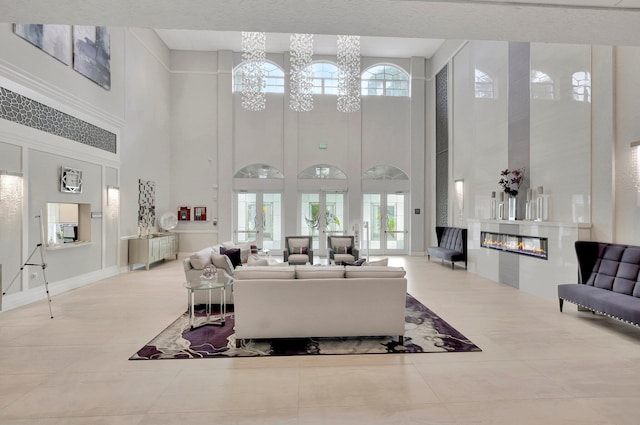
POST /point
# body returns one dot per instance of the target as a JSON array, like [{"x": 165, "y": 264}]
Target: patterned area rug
[{"x": 425, "y": 332}]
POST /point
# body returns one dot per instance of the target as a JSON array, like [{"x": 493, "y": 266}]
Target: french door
[
  {"x": 322, "y": 214},
  {"x": 259, "y": 219},
  {"x": 386, "y": 215}
]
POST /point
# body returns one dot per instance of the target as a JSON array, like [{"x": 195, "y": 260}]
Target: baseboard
[{"x": 12, "y": 301}]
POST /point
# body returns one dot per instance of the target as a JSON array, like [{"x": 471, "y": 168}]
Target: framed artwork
[
  {"x": 70, "y": 180},
  {"x": 52, "y": 39},
  {"x": 92, "y": 54}
]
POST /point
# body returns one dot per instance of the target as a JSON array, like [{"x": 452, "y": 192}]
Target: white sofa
[{"x": 319, "y": 301}]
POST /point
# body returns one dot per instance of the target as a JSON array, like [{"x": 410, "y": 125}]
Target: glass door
[
  {"x": 259, "y": 219},
  {"x": 319, "y": 226},
  {"x": 386, "y": 216}
]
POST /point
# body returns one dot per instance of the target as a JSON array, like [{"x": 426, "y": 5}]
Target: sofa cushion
[
  {"x": 298, "y": 258},
  {"x": 374, "y": 271},
  {"x": 341, "y": 258},
  {"x": 337, "y": 242},
  {"x": 222, "y": 262},
  {"x": 199, "y": 260},
  {"x": 298, "y": 250},
  {"x": 265, "y": 272},
  {"x": 319, "y": 272}
]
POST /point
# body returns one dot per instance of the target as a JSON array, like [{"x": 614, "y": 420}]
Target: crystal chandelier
[
  {"x": 253, "y": 55},
  {"x": 301, "y": 81},
  {"x": 349, "y": 74}
]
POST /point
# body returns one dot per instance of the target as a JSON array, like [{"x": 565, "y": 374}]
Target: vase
[{"x": 512, "y": 207}]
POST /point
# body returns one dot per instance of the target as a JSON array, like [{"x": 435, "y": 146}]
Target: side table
[{"x": 220, "y": 281}]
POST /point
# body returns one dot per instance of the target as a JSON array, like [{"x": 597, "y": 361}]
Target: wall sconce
[
  {"x": 113, "y": 196},
  {"x": 458, "y": 188},
  {"x": 10, "y": 187},
  {"x": 635, "y": 163}
]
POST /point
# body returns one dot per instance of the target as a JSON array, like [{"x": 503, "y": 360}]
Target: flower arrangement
[{"x": 510, "y": 180}]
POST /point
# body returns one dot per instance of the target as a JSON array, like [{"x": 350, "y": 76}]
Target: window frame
[{"x": 385, "y": 88}]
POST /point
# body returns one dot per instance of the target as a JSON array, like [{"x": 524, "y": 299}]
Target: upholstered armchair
[
  {"x": 298, "y": 249},
  {"x": 342, "y": 248}
]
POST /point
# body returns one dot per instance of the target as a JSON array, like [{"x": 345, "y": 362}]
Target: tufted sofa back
[
  {"x": 610, "y": 266},
  {"x": 452, "y": 238}
]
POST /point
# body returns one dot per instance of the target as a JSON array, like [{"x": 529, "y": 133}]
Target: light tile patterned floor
[{"x": 537, "y": 366}]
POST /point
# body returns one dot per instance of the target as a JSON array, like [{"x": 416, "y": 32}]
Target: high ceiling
[{"x": 414, "y": 27}]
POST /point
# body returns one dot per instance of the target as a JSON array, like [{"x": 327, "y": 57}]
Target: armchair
[
  {"x": 342, "y": 248},
  {"x": 298, "y": 249}
]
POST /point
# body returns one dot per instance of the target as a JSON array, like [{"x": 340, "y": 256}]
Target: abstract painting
[
  {"x": 52, "y": 39},
  {"x": 92, "y": 54}
]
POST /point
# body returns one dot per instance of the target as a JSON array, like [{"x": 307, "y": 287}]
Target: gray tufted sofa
[
  {"x": 452, "y": 245},
  {"x": 609, "y": 280}
]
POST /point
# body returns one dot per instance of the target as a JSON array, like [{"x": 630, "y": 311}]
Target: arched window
[
  {"x": 322, "y": 171},
  {"x": 273, "y": 82},
  {"x": 259, "y": 171},
  {"x": 385, "y": 80},
  {"x": 325, "y": 78},
  {"x": 485, "y": 86},
  {"x": 542, "y": 86},
  {"x": 384, "y": 172},
  {"x": 581, "y": 82}
]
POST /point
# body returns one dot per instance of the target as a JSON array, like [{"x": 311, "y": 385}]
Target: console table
[{"x": 160, "y": 246}]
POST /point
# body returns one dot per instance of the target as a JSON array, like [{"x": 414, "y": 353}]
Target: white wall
[
  {"x": 380, "y": 133},
  {"x": 627, "y": 198},
  {"x": 136, "y": 109}
]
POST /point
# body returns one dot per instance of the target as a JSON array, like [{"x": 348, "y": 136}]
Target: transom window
[
  {"x": 385, "y": 80},
  {"x": 325, "y": 78},
  {"x": 542, "y": 86},
  {"x": 581, "y": 82},
  {"x": 273, "y": 82},
  {"x": 485, "y": 86}
]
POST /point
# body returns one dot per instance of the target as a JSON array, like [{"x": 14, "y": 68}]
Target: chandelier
[
  {"x": 349, "y": 74},
  {"x": 253, "y": 76},
  {"x": 301, "y": 77}
]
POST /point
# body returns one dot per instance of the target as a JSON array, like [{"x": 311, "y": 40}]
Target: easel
[{"x": 43, "y": 264}]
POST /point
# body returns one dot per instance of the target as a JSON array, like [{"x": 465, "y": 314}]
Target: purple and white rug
[{"x": 425, "y": 332}]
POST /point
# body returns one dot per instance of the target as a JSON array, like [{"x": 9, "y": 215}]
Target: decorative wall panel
[
  {"x": 442, "y": 148},
  {"x": 22, "y": 110}
]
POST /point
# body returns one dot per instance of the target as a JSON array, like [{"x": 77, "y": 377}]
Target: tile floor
[{"x": 537, "y": 366}]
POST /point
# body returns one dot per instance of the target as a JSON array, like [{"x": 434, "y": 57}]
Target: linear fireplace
[{"x": 533, "y": 246}]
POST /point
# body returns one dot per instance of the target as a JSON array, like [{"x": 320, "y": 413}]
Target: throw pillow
[
  {"x": 298, "y": 250},
  {"x": 234, "y": 255},
  {"x": 383, "y": 262},
  {"x": 201, "y": 259},
  {"x": 254, "y": 260},
  {"x": 358, "y": 262},
  {"x": 342, "y": 250},
  {"x": 222, "y": 262}
]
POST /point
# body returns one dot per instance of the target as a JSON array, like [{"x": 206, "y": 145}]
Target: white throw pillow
[
  {"x": 245, "y": 250},
  {"x": 373, "y": 271},
  {"x": 319, "y": 272},
  {"x": 201, "y": 259},
  {"x": 222, "y": 262},
  {"x": 383, "y": 262},
  {"x": 254, "y": 260}
]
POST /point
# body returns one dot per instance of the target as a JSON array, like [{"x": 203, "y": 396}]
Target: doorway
[
  {"x": 259, "y": 219},
  {"x": 320, "y": 225},
  {"x": 386, "y": 215}
]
